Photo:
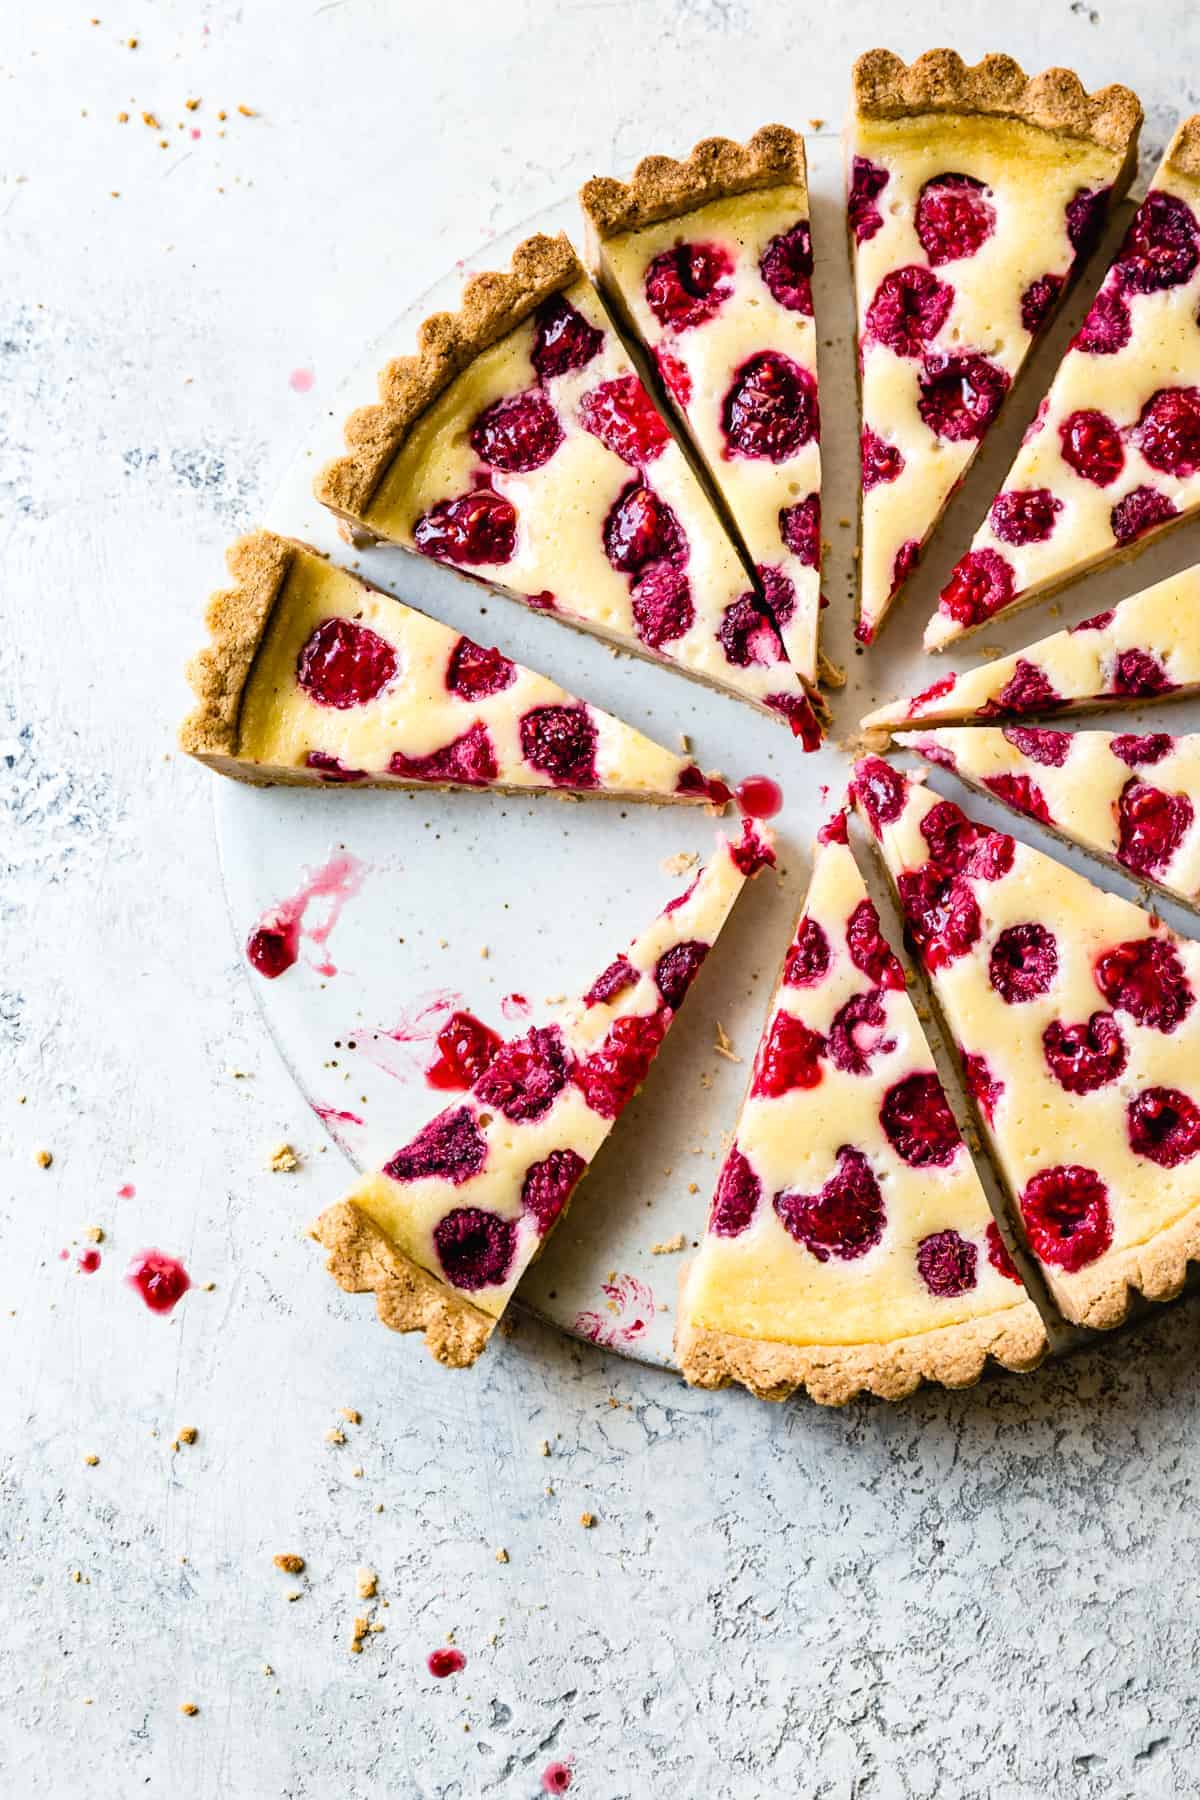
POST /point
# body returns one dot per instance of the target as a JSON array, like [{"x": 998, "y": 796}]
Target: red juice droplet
[
  {"x": 300, "y": 380},
  {"x": 160, "y": 1279},
  {"x": 446, "y": 1662},
  {"x": 126, "y": 1191},
  {"x": 556, "y": 1778},
  {"x": 64, "y": 1255},
  {"x": 759, "y": 797},
  {"x": 89, "y": 1262},
  {"x": 465, "y": 1048},
  {"x": 515, "y": 1006}
]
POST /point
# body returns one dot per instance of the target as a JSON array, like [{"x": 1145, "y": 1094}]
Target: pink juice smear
[
  {"x": 274, "y": 944},
  {"x": 515, "y": 1006},
  {"x": 556, "y": 1777},
  {"x": 161, "y": 1280}
]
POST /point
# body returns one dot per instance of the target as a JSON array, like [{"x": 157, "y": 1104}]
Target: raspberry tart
[
  {"x": 709, "y": 262},
  {"x": 974, "y": 193},
  {"x": 1075, "y": 1015},
  {"x": 1147, "y": 648},
  {"x": 1131, "y": 798},
  {"x": 313, "y": 677},
  {"x": 849, "y": 1245},
  {"x": 445, "y": 1230},
  {"x": 519, "y": 447},
  {"x": 1113, "y": 457}
]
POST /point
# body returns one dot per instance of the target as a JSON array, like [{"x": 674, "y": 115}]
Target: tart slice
[
  {"x": 1147, "y": 648},
  {"x": 519, "y": 446},
  {"x": 973, "y": 195},
  {"x": 849, "y": 1245},
  {"x": 445, "y": 1230},
  {"x": 709, "y": 261},
  {"x": 1075, "y": 1016},
  {"x": 1113, "y": 456},
  {"x": 312, "y": 677},
  {"x": 1130, "y": 798}
]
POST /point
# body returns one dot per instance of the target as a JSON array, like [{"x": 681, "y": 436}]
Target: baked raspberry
[
  {"x": 688, "y": 284},
  {"x": 1107, "y": 327},
  {"x": 480, "y": 527},
  {"x": 693, "y": 780},
  {"x": 330, "y": 769},
  {"x": 856, "y": 1034},
  {"x": 518, "y": 433},
  {"x": 771, "y": 408},
  {"x": 905, "y": 561},
  {"x": 1085, "y": 1056},
  {"x": 1024, "y": 515},
  {"x": 997, "y": 1253},
  {"x": 1022, "y": 793},
  {"x": 1028, "y": 689},
  {"x": 663, "y": 609},
  {"x": 800, "y": 529},
  {"x": 1145, "y": 978},
  {"x": 1151, "y": 825},
  {"x": 548, "y": 1186},
  {"x": 1098, "y": 622},
  {"x": 747, "y": 636},
  {"x": 1091, "y": 445},
  {"x": 272, "y": 949},
  {"x": 879, "y": 790},
  {"x": 1023, "y": 963},
  {"x": 465, "y": 1047},
  {"x": 880, "y": 462},
  {"x": 1139, "y": 675},
  {"x": 960, "y": 395},
  {"x": 779, "y": 593},
  {"x": 475, "y": 673},
  {"x": 984, "y": 1088},
  {"x": 981, "y": 583},
  {"x": 475, "y": 1247},
  {"x": 622, "y": 415},
  {"x": 1143, "y": 510},
  {"x": 946, "y": 1264},
  {"x": 961, "y": 847},
  {"x": 752, "y": 851},
  {"x": 1164, "y": 1125},
  {"x": 908, "y": 309},
  {"x": 836, "y": 829},
  {"x": 524, "y": 1079},
  {"x": 1161, "y": 247},
  {"x": 1049, "y": 748},
  {"x": 641, "y": 528},
  {"x": 1037, "y": 424},
  {"x": 788, "y": 1057},
  {"x": 1038, "y": 301},
  {"x": 802, "y": 720},
  {"x": 1066, "y": 1216},
  {"x": 941, "y": 913},
  {"x": 610, "y": 1077},
  {"x": 1086, "y": 212},
  {"x": 808, "y": 958},
  {"x": 450, "y": 1148},
  {"x": 955, "y": 217},
  {"x": 937, "y": 690},
  {"x": 867, "y": 182},
  {"x": 619, "y": 975},
  {"x": 560, "y": 741},
  {"x": 845, "y": 1219},
  {"x": 786, "y": 266},
  {"x": 675, "y": 377},
  {"x": 1141, "y": 752},
  {"x": 918, "y": 1123},
  {"x": 869, "y": 949},
  {"x": 677, "y": 968},
  {"x": 468, "y": 761},
  {"x": 736, "y": 1200},
  {"x": 562, "y": 339},
  {"x": 343, "y": 664},
  {"x": 1168, "y": 431}
]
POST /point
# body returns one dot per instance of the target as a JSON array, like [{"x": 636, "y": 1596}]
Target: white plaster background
[{"x": 983, "y": 1594}]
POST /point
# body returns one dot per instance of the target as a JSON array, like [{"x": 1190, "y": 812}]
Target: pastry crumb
[
  {"x": 43, "y": 1158},
  {"x": 334, "y": 1436},
  {"x": 502, "y": 1556},
  {"x": 587, "y": 1520},
  {"x": 544, "y": 1447},
  {"x": 94, "y": 1234},
  {"x": 289, "y": 1562},
  {"x": 283, "y": 1160},
  {"x": 187, "y": 1434},
  {"x": 670, "y": 1245},
  {"x": 351, "y": 1415},
  {"x": 91, "y": 1460},
  {"x": 190, "y": 1708},
  {"x": 724, "y": 1045},
  {"x": 680, "y": 863},
  {"x": 367, "y": 1583},
  {"x": 295, "y": 1594}
]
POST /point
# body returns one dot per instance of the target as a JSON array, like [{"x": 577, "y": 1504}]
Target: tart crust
[
  {"x": 884, "y": 87},
  {"x": 660, "y": 187},
  {"x": 1183, "y": 152},
  {"x": 1157, "y": 1270},
  {"x": 363, "y": 1259},
  {"x": 493, "y": 304},
  {"x": 236, "y": 618}
]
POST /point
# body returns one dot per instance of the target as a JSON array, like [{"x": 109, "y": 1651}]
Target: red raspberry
[
  {"x": 465, "y": 1047},
  {"x": 955, "y": 217},
  {"x": 1021, "y": 793},
  {"x": 906, "y": 559},
  {"x": 517, "y": 434},
  {"x": 937, "y": 690},
  {"x": 475, "y": 673},
  {"x": 677, "y": 968},
  {"x": 524, "y": 1079},
  {"x": 908, "y": 309},
  {"x": 747, "y": 636},
  {"x": 1164, "y": 1125},
  {"x": 675, "y": 377},
  {"x": 1160, "y": 248},
  {"x": 343, "y": 664},
  {"x": 612, "y": 1074},
  {"x": 786, "y": 266},
  {"x": 1145, "y": 978},
  {"x": 880, "y": 462},
  {"x": 641, "y": 528},
  {"x": 802, "y": 720},
  {"x": 1028, "y": 689},
  {"x": 1049, "y": 748},
  {"x": 1151, "y": 826},
  {"x": 982, "y": 1085},
  {"x": 468, "y": 761},
  {"x": 1086, "y": 212},
  {"x": 1139, "y": 675},
  {"x": 1023, "y": 963},
  {"x": 1038, "y": 302},
  {"x": 982, "y": 583},
  {"x": 736, "y": 1199},
  {"x": 845, "y": 1219},
  {"x": 961, "y": 847},
  {"x": 960, "y": 395},
  {"x": 771, "y": 408},
  {"x": 856, "y": 1034},
  {"x": 1107, "y": 327},
  {"x": 1098, "y": 622},
  {"x": 788, "y": 1057},
  {"x": 663, "y": 609},
  {"x": 869, "y": 949},
  {"x": 563, "y": 340},
  {"x": 1091, "y": 445},
  {"x": 450, "y": 1148},
  {"x": 622, "y": 415},
  {"x": 947, "y": 1263},
  {"x": 548, "y": 1186},
  {"x": 997, "y": 1253},
  {"x": 752, "y": 852},
  {"x": 687, "y": 285},
  {"x": 619, "y": 975},
  {"x": 880, "y": 790},
  {"x": 1143, "y": 510},
  {"x": 941, "y": 913},
  {"x": 560, "y": 741},
  {"x": 807, "y": 961},
  {"x": 800, "y": 529},
  {"x": 1141, "y": 752},
  {"x": 475, "y": 1247},
  {"x": 1168, "y": 431},
  {"x": 1066, "y": 1216},
  {"x": 1085, "y": 1056},
  {"x": 331, "y": 770},
  {"x": 1024, "y": 515},
  {"x": 867, "y": 182},
  {"x": 476, "y": 528},
  {"x": 779, "y": 593}
]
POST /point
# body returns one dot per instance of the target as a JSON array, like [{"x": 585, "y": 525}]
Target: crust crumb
[
  {"x": 368, "y": 1584},
  {"x": 680, "y": 863},
  {"x": 502, "y": 1556},
  {"x": 94, "y": 1234},
  {"x": 351, "y": 1415},
  {"x": 91, "y": 1460},
  {"x": 289, "y": 1562},
  {"x": 671, "y": 1245},
  {"x": 544, "y": 1447},
  {"x": 587, "y": 1520},
  {"x": 724, "y": 1045},
  {"x": 43, "y": 1158},
  {"x": 187, "y": 1434},
  {"x": 334, "y": 1436},
  {"x": 283, "y": 1160},
  {"x": 190, "y": 1708}
]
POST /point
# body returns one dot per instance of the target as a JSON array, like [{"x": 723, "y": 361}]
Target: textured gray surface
[{"x": 977, "y": 1594}]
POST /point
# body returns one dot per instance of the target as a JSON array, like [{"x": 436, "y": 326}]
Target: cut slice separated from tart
[
  {"x": 443, "y": 1232},
  {"x": 850, "y": 1245},
  {"x": 1074, "y": 1014},
  {"x": 1131, "y": 798},
  {"x": 709, "y": 262},
  {"x": 1112, "y": 458},
  {"x": 313, "y": 677},
  {"x": 974, "y": 194},
  {"x": 1146, "y": 648},
  {"x": 519, "y": 447}
]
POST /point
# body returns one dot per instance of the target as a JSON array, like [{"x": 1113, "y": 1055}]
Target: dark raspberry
[
  {"x": 524, "y": 1079},
  {"x": 867, "y": 182},
  {"x": 961, "y": 847},
  {"x": 1024, "y": 515},
  {"x": 612, "y": 1075},
  {"x": 1085, "y": 1056},
  {"x": 693, "y": 780},
  {"x": 835, "y": 830},
  {"x": 548, "y": 1186},
  {"x": 1098, "y": 622},
  {"x": 663, "y": 608},
  {"x": 1161, "y": 247},
  {"x": 1151, "y": 825},
  {"x": 800, "y": 529},
  {"x": 771, "y": 408},
  {"x": 474, "y": 673},
  {"x": 1038, "y": 302},
  {"x": 786, "y": 266},
  {"x": 736, "y": 1200},
  {"x": 641, "y": 528},
  {"x": 475, "y": 1247},
  {"x": 960, "y": 395},
  {"x": 560, "y": 741},
  {"x": 272, "y": 949},
  {"x": 856, "y": 1034},
  {"x": 1141, "y": 752},
  {"x": 343, "y": 664},
  {"x": 476, "y": 528},
  {"x": 955, "y": 217},
  {"x": 562, "y": 339},
  {"x": 747, "y": 636},
  {"x": 802, "y": 720},
  {"x": 918, "y": 1123},
  {"x": 1145, "y": 978},
  {"x": 753, "y": 851},
  {"x": 880, "y": 462},
  {"x": 779, "y": 594},
  {"x": 468, "y": 761},
  {"x": 688, "y": 284},
  {"x": 1143, "y": 510},
  {"x": 1049, "y": 748},
  {"x": 1027, "y": 690},
  {"x": 908, "y": 309},
  {"x": 981, "y": 583},
  {"x": 845, "y": 1219},
  {"x": 1086, "y": 212},
  {"x": 880, "y": 790},
  {"x": 675, "y": 377},
  {"x": 622, "y": 415},
  {"x": 517, "y": 434},
  {"x": 941, "y": 913},
  {"x": 1091, "y": 445},
  {"x": 1164, "y": 1126},
  {"x": 869, "y": 949},
  {"x": 997, "y": 1253},
  {"x": 1023, "y": 963},
  {"x": 946, "y": 1264},
  {"x": 808, "y": 957},
  {"x": 906, "y": 559},
  {"x": 1138, "y": 675},
  {"x": 1107, "y": 327},
  {"x": 330, "y": 769},
  {"x": 1066, "y": 1216},
  {"x": 677, "y": 968},
  {"x": 450, "y": 1148},
  {"x": 619, "y": 975},
  {"x": 788, "y": 1057},
  {"x": 1022, "y": 793},
  {"x": 984, "y": 1088},
  {"x": 1168, "y": 431}
]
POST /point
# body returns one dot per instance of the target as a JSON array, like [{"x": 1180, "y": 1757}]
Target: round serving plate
[{"x": 419, "y": 904}]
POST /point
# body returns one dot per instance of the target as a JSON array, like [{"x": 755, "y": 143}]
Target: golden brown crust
[
  {"x": 884, "y": 87},
  {"x": 660, "y": 187},
  {"x": 362, "y": 1259},
  {"x": 1183, "y": 151},
  {"x": 493, "y": 303},
  {"x": 236, "y": 618},
  {"x": 1156, "y": 1269}
]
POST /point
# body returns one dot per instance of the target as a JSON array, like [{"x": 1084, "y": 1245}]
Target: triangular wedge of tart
[
  {"x": 709, "y": 263},
  {"x": 443, "y": 1232},
  {"x": 974, "y": 194},
  {"x": 1074, "y": 1014},
  {"x": 849, "y": 1245},
  {"x": 313, "y": 677},
  {"x": 1145, "y": 648},
  {"x": 519, "y": 446},
  {"x": 1112, "y": 458},
  {"x": 1130, "y": 798}
]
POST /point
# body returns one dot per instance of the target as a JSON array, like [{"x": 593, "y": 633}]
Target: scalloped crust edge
[
  {"x": 660, "y": 187},
  {"x": 884, "y": 87},
  {"x": 1156, "y": 1269},
  {"x": 236, "y": 619},
  {"x": 493, "y": 303},
  {"x": 363, "y": 1259},
  {"x": 1183, "y": 152}
]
